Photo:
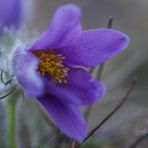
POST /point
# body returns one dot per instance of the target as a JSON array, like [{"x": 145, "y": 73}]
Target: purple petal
[
  {"x": 65, "y": 28},
  {"x": 81, "y": 83},
  {"x": 85, "y": 88},
  {"x": 61, "y": 92},
  {"x": 94, "y": 47},
  {"x": 81, "y": 88},
  {"x": 10, "y": 13},
  {"x": 66, "y": 116},
  {"x": 24, "y": 67}
]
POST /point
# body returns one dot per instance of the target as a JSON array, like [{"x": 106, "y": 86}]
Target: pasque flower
[
  {"x": 52, "y": 69},
  {"x": 10, "y": 13}
]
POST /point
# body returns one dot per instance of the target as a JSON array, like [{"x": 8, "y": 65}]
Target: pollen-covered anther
[{"x": 52, "y": 63}]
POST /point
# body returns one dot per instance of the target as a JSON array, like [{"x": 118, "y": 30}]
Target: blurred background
[{"x": 35, "y": 129}]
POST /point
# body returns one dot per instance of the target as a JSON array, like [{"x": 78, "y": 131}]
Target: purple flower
[
  {"x": 10, "y": 13},
  {"x": 51, "y": 69}
]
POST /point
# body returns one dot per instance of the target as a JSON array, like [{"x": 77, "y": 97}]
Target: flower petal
[
  {"x": 94, "y": 47},
  {"x": 66, "y": 116},
  {"x": 10, "y": 13},
  {"x": 85, "y": 88},
  {"x": 81, "y": 88},
  {"x": 65, "y": 28},
  {"x": 61, "y": 92},
  {"x": 24, "y": 67}
]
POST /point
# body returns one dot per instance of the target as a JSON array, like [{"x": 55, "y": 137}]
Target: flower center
[{"x": 52, "y": 63}]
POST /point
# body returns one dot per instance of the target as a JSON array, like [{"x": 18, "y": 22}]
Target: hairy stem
[{"x": 11, "y": 125}]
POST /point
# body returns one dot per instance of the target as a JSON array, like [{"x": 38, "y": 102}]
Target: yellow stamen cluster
[{"x": 52, "y": 63}]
